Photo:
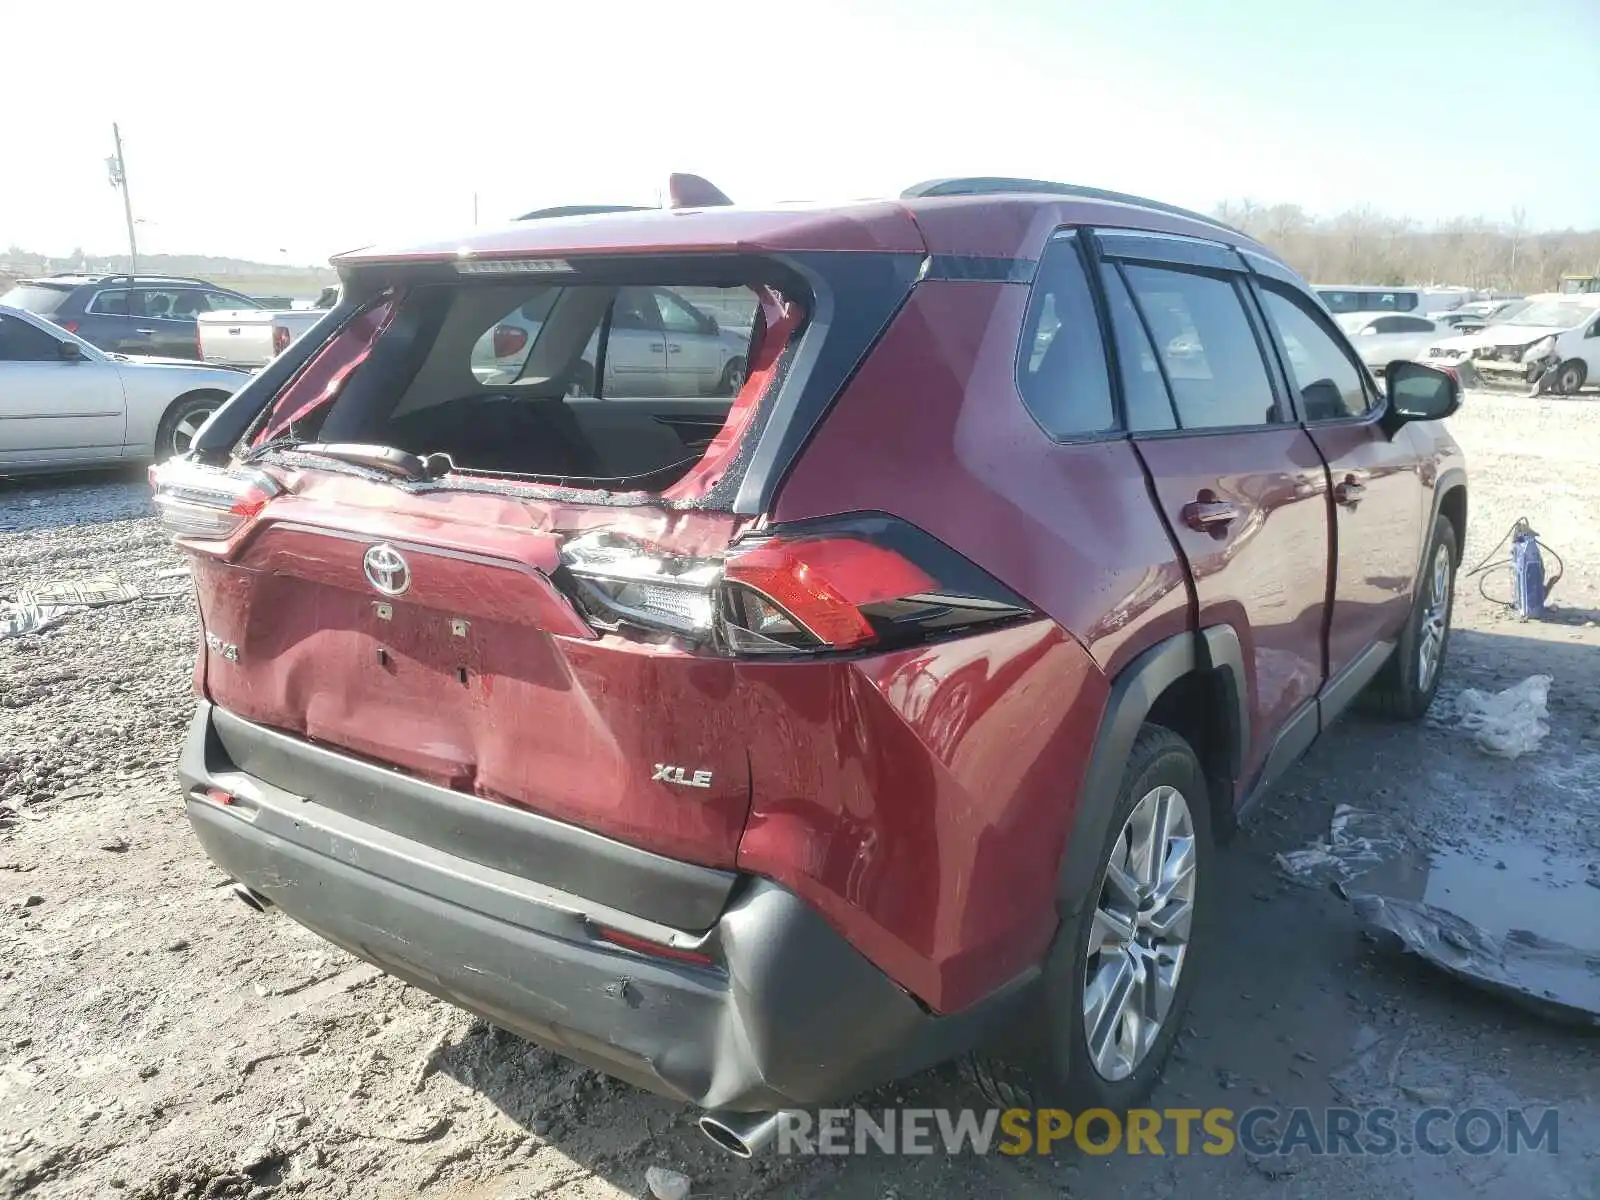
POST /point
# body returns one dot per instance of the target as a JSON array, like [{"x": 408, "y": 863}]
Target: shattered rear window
[{"x": 636, "y": 387}]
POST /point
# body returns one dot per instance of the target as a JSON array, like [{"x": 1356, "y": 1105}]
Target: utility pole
[{"x": 119, "y": 179}]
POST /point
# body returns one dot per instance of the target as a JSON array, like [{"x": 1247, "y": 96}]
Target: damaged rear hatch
[{"x": 483, "y": 533}]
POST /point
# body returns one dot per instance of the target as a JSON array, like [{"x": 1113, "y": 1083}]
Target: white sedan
[
  {"x": 1382, "y": 338},
  {"x": 66, "y": 404}
]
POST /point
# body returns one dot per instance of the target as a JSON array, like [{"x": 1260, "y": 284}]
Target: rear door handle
[
  {"x": 674, "y": 348},
  {"x": 1349, "y": 492},
  {"x": 147, "y": 331},
  {"x": 1209, "y": 516}
]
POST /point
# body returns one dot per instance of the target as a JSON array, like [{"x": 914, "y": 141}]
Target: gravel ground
[{"x": 157, "y": 1039}]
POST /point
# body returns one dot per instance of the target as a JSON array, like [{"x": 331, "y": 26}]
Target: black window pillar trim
[
  {"x": 855, "y": 298},
  {"x": 1284, "y": 397},
  {"x": 1088, "y": 250},
  {"x": 1155, "y": 352}
]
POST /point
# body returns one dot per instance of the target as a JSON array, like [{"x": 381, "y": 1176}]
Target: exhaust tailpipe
[
  {"x": 251, "y": 897},
  {"x": 743, "y": 1135}
]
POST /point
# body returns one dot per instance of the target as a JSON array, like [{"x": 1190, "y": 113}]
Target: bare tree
[{"x": 1365, "y": 246}]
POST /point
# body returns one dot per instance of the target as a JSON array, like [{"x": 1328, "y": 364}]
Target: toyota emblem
[{"x": 386, "y": 569}]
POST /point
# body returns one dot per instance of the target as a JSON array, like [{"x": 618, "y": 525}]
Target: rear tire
[
  {"x": 182, "y": 421},
  {"x": 1405, "y": 687},
  {"x": 1570, "y": 379},
  {"x": 1115, "y": 986},
  {"x": 732, "y": 377}
]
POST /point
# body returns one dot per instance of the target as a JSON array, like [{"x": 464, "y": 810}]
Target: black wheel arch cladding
[{"x": 1133, "y": 696}]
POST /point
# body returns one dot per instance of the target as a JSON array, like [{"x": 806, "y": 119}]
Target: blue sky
[{"x": 288, "y": 137}]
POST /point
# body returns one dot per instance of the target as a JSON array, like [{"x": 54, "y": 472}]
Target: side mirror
[
  {"x": 70, "y": 351},
  {"x": 1418, "y": 392},
  {"x": 712, "y": 327}
]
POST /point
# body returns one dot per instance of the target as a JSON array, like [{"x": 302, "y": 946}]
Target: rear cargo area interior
[{"x": 623, "y": 384}]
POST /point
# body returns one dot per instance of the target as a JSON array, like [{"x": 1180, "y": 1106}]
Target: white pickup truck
[{"x": 250, "y": 337}]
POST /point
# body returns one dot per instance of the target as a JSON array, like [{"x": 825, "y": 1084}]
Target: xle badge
[{"x": 681, "y": 776}]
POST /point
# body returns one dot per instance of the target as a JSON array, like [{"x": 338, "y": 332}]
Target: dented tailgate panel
[{"x": 479, "y": 676}]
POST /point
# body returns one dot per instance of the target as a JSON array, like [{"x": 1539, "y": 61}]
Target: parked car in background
[
  {"x": 1487, "y": 307},
  {"x": 661, "y": 344},
  {"x": 761, "y": 749},
  {"x": 1383, "y": 339},
  {"x": 1563, "y": 324},
  {"x": 65, "y": 403},
  {"x": 249, "y": 338},
  {"x": 127, "y": 314},
  {"x": 1421, "y": 301},
  {"x": 1482, "y": 313},
  {"x": 1458, "y": 321}
]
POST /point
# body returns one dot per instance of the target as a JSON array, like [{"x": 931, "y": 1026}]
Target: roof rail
[
  {"x": 992, "y": 185},
  {"x": 123, "y": 278},
  {"x": 578, "y": 210}
]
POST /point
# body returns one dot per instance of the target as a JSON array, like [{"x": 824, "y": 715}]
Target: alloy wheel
[
  {"x": 185, "y": 428},
  {"x": 1139, "y": 937},
  {"x": 1435, "y": 619}
]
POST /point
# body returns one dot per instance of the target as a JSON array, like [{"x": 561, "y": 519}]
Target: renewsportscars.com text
[{"x": 1171, "y": 1131}]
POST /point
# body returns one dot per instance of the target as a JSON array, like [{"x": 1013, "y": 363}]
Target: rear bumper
[{"x": 788, "y": 1014}]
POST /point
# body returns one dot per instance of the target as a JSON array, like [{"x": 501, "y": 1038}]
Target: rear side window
[
  {"x": 1207, "y": 346},
  {"x": 1062, "y": 367},
  {"x": 35, "y": 298},
  {"x": 677, "y": 316},
  {"x": 164, "y": 304},
  {"x": 1329, "y": 382},
  {"x": 110, "y": 304}
]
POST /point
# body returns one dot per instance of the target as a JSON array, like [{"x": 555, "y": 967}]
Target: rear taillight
[
  {"x": 509, "y": 340},
  {"x": 853, "y": 584},
  {"x": 209, "y": 503},
  {"x": 280, "y": 338},
  {"x": 70, "y": 326},
  {"x": 821, "y": 586}
]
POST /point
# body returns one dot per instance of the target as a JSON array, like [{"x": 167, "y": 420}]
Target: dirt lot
[{"x": 157, "y": 1039}]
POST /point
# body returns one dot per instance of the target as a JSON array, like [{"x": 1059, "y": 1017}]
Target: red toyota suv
[{"x": 759, "y": 748}]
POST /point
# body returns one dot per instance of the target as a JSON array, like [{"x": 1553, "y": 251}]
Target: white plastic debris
[
  {"x": 37, "y": 609},
  {"x": 1357, "y": 841},
  {"x": 666, "y": 1184},
  {"x": 1507, "y": 724}
]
